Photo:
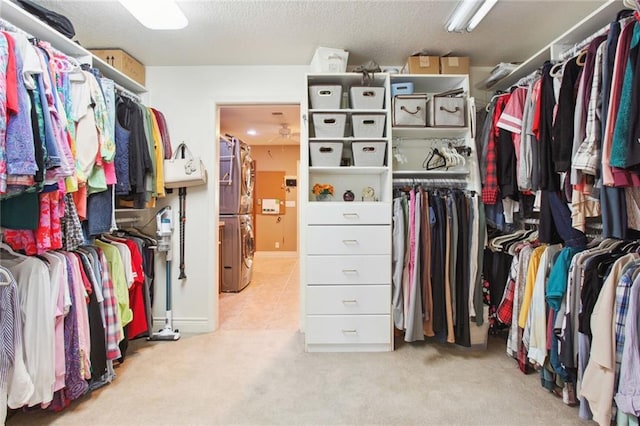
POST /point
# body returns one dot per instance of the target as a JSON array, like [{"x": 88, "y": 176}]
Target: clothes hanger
[
  {"x": 4, "y": 246},
  {"x": 493, "y": 98},
  {"x": 557, "y": 69},
  {"x": 5, "y": 277},
  {"x": 581, "y": 58},
  {"x": 435, "y": 155}
]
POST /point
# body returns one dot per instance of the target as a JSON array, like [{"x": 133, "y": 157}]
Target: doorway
[{"x": 271, "y": 299}]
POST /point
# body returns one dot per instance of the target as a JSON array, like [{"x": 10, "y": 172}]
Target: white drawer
[
  {"x": 373, "y": 269},
  {"x": 345, "y": 300},
  {"x": 348, "y": 329},
  {"x": 349, "y": 239},
  {"x": 354, "y": 213}
]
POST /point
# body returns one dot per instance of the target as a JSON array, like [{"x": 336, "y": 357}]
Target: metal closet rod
[
  {"x": 431, "y": 182},
  {"x": 127, "y": 93},
  {"x": 569, "y": 53}
]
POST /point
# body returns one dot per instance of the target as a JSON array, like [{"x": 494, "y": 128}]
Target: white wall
[{"x": 189, "y": 98}]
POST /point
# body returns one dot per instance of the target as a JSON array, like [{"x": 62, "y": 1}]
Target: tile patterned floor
[{"x": 272, "y": 299}]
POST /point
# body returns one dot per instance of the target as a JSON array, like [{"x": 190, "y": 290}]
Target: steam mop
[{"x": 164, "y": 225}]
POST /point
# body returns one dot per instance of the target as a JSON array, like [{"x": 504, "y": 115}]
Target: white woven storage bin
[
  {"x": 329, "y": 125},
  {"x": 325, "y": 153},
  {"x": 367, "y": 97},
  {"x": 368, "y": 153},
  {"x": 325, "y": 96},
  {"x": 368, "y": 125}
]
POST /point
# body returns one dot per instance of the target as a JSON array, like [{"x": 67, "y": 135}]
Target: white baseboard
[{"x": 185, "y": 325}]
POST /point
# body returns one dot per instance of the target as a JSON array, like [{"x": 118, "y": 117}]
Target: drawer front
[
  {"x": 374, "y": 269},
  {"x": 349, "y": 240},
  {"x": 354, "y": 213},
  {"x": 348, "y": 329},
  {"x": 349, "y": 300}
]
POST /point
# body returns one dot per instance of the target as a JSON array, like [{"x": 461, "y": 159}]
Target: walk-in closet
[{"x": 319, "y": 212}]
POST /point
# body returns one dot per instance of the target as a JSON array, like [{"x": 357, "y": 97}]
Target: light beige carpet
[
  {"x": 254, "y": 371},
  {"x": 265, "y": 377}
]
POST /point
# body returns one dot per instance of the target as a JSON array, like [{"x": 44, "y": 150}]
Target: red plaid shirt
[
  {"x": 490, "y": 190},
  {"x": 505, "y": 309}
]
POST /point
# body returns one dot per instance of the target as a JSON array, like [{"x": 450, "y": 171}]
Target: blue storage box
[{"x": 402, "y": 89}]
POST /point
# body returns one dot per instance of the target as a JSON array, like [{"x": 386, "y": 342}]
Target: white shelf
[
  {"x": 597, "y": 20},
  {"x": 348, "y": 111},
  {"x": 426, "y": 132},
  {"x": 38, "y": 29},
  {"x": 351, "y": 170},
  {"x": 428, "y": 173},
  {"x": 437, "y": 83},
  {"x": 347, "y": 139}
]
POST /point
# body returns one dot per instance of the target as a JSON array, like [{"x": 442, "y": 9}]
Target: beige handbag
[{"x": 185, "y": 171}]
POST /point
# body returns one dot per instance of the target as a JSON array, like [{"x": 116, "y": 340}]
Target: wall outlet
[{"x": 277, "y": 245}]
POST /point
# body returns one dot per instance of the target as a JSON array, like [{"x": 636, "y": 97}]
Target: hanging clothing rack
[
  {"x": 454, "y": 142},
  {"x": 127, "y": 94},
  {"x": 577, "y": 47},
  {"x": 429, "y": 182},
  {"x": 8, "y": 26}
]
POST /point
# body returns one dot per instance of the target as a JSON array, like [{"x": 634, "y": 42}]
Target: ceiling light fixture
[
  {"x": 157, "y": 14},
  {"x": 468, "y": 15},
  {"x": 252, "y": 132}
]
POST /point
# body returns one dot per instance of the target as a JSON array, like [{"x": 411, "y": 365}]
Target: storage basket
[
  {"x": 368, "y": 125},
  {"x": 410, "y": 110},
  {"x": 325, "y": 97},
  {"x": 329, "y": 125},
  {"x": 401, "y": 89},
  {"x": 325, "y": 153},
  {"x": 367, "y": 97},
  {"x": 368, "y": 153},
  {"x": 443, "y": 111}
]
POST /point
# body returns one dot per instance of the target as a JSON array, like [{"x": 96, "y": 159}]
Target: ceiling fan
[{"x": 285, "y": 133}]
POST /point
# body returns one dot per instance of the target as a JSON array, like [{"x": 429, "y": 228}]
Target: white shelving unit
[
  {"x": 592, "y": 23},
  {"x": 346, "y": 246},
  {"x": 15, "y": 15},
  {"x": 412, "y": 146}
]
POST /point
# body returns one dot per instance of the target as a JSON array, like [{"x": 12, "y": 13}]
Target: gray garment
[
  {"x": 414, "y": 330},
  {"x": 525, "y": 165},
  {"x": 398, "y": 263},
  {"x": 484, "y": 143},
  {"x": 452, "y": 217},
  {"x": 482, "y": 238}
]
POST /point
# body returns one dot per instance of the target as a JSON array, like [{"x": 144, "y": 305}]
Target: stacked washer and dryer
[{"x": 236, "y": 204}]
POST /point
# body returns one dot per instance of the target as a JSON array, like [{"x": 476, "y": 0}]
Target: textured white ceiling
[{"x": 269, "y": 32}]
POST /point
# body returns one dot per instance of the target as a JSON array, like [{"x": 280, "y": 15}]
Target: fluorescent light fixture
[
  {"x": 480, "y": 14},
  {"x": 468, "y": 15},
  {"x": 157, "y": 14}
]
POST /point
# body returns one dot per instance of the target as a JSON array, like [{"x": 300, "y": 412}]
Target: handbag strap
[{"x": 184, "y": 151}]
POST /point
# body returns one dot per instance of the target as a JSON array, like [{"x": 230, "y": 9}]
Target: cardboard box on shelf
[
  {"x": 423, "y": 65},
  {"x": 123, "y": 62},
  {"x": 454, "y": 65}
]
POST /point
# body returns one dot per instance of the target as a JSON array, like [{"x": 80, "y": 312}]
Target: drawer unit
[
  {"x": 346, "y": 247},
  {"x": 348, "y": 300},
  {"x": 327, "y": 270},
  {"x": 349, "y": 240},
  {"x": 348, "y": 329},
  {"x": 354, "y": 213}
]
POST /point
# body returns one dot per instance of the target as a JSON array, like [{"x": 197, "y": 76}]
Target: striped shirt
[{"x": 113, "y": 325}]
